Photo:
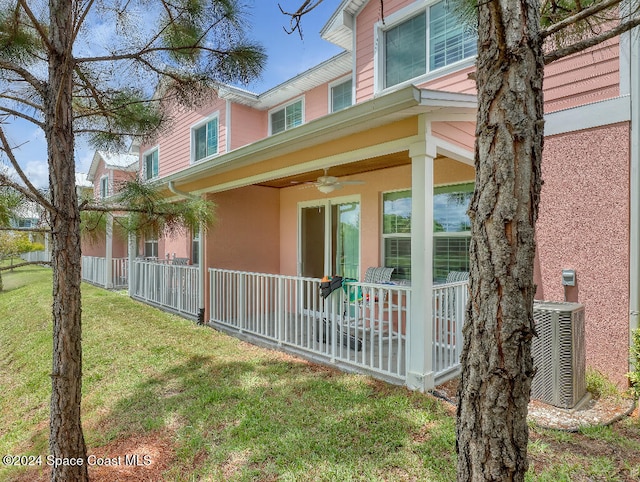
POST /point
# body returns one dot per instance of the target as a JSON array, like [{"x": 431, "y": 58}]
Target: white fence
[
  {"x": 37, "y": 256},
  {"x": 94, "y": 270},
  {"x": 173, "y": 287},
  {"x": 360, "y": 325},
  {"x": 449, "y": 305}
]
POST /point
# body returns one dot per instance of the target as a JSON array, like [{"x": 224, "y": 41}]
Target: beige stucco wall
[
  {"x": 246, "y": 233},
  {"x": 446, "y": 171}
]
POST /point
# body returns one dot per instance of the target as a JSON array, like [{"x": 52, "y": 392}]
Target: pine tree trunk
[
  {"x": 497, "y": 367},
  {"x": 66, "y": 442}
]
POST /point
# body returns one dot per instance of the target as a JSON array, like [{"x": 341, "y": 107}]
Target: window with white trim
[
  {"x": 286, "y": 117},
  {"x": 151, "y": 246},
  {"x": 431, "y": 39},
  {"x": 451, "y": 230},
  {"x": 104, "y": 187},
  {"x": 204, "y": 139},
  {"x": 151, "y": 164},
  {"x": 341, "y": 95},
  {"x": 195, "y": 246},
  {"x": 396, "y": 232}
]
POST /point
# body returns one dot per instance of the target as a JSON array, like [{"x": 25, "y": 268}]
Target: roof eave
[{"x": 402, "y": 103}]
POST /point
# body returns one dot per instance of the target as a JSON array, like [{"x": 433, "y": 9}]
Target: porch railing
[
  {"x": 94, "y": 270},
  {"x": 360, "y": 325},
  {"x": 36, "y": 256},
  {"x": 449, "y": 304},
  {"x": 173, "y": 287}
]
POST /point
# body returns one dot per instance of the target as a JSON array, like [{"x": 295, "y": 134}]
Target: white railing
[
  {"x": 36, "y": 256},
  {"x": 360, "y": 324},
  {"x": 94, "y": 270},
  {"x": 449, "y": 305},
  {"x": 119, "y": 273},
  {"x": 169, "y": 286}
]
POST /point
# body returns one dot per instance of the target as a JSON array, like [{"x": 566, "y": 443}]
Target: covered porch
[{"x": 394, "y": 160}]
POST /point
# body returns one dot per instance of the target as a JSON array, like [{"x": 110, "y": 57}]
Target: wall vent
[{"x": 559, "y": 354}]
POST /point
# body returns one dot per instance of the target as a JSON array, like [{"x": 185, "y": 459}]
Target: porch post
[
  {"x": 420, "y": 374},
  {"x": 131, "y": 254},
  {"x": 108, "y": 269}
]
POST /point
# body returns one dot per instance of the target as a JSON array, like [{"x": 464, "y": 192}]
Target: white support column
[
  {"x": 131, "y": 254},
  {"x": 634, "y": 253},
  {"x": 108, "y": 269},
  {"x": 420, "y": 374}
]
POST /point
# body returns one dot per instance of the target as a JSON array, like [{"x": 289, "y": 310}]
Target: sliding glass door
[{"x": 329, "y": 238}]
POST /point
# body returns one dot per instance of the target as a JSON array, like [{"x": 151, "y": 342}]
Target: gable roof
[
  {"x": 339, "y": 29},
  {"x": 330, "y": 69},
  {"x": 113, "y": 160}
]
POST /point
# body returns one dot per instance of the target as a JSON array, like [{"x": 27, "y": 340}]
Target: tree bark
[
  {"x": 66, "y": 442},
  {"x": 497, "y": 367}
]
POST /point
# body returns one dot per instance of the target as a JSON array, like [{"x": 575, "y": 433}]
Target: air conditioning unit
[{"x": 559, "y": 354}]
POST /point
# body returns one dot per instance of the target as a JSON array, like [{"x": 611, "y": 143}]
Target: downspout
[
  {"x": 188, "y": 195},
  {"x": 634, "y": 242}
]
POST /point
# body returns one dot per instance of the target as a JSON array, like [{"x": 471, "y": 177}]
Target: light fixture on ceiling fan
[{"x": 327, "y": 184}]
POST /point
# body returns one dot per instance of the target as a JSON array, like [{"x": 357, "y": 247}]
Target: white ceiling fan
[{"x": 327, "y": 184}]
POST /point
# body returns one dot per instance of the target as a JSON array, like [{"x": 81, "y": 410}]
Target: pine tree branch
[
  {"x": 26, "y": 263},
  {"x": 26, "y": 230},
  {"x": 22, "y": 115},
  {"x": 30, "y": 192},
  {"x": 36, "y": 25},
  {"x": 25, "y": 76},
  {"x": 590, "y": 42},
  {"x": 20, "y": 100},
  {"x": 581, "y": 15}
]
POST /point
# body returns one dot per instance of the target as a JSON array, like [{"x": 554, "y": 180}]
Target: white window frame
[
  {"x": 394, "y": 20},
  {"x": 104, "y": 186},
  {"x": 144, "y": 163},
  {"x": 283, "y": 107},
  {"x": 336, "y": 83},
  {"x": 192, "y": 133}
]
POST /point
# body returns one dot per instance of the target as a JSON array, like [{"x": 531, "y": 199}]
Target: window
[
  {"x": 151, "y": 246},
  {"x": 195, "y": 246},
  {"x": 286, "y": 118},
  {"x": 435, "y": 30},
  {"x": 205, "y": 139},
  {"x": 104, "y": 187},
  {"x": 451, "y": 231},
  {"x": 151, "y": 164},
  {"x": 341, "y": 96},
  {"x": 396, "y": 232}
]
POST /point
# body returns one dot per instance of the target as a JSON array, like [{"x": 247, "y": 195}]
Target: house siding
[
  {"x": 247, "y": 125},
  {"x": 584, "y": 225}
]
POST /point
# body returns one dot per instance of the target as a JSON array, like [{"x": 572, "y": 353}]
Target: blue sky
[{"x": 288, "y": 55}]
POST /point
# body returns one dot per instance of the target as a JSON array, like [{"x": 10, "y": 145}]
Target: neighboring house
[{"x": 393, "y": 119}]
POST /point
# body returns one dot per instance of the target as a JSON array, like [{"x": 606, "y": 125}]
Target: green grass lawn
[{"x": 204, "y": 406}]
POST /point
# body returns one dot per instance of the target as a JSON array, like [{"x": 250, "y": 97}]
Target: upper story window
[
  {"x": 430, "y": 39},
  {"x": 151, "y": 164},
  {"x": 286, "y": 117},
  {"x": 204, "y": 139},
  {"x": 341, "y": 95},
  {"x": 104, "y": 187}
]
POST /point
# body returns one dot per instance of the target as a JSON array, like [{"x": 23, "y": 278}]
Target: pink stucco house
[{"x": 366, "y": 160}]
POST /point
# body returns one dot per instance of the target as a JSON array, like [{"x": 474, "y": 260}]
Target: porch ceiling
[{"x": 366, "y": 165}]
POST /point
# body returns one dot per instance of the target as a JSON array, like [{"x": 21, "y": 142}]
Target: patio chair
[{"x": 455, "y": 276}]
